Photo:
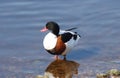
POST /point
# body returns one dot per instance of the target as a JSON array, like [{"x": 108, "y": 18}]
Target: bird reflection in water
[{"x": 61, "y": 69}]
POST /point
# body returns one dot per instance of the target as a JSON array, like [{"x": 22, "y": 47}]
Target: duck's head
[{"x": 52, "y": 26}]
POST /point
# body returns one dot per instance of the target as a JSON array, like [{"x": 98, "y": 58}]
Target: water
[{"x": 21, "y": 51}]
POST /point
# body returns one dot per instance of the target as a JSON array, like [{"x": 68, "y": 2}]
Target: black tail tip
[{"x": 78, "y": 34}]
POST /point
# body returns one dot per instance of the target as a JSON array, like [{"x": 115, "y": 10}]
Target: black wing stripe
[{"x": 66, "y": 37}]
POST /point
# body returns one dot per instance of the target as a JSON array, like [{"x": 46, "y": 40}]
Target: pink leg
[{"x": 56, "y": 57}]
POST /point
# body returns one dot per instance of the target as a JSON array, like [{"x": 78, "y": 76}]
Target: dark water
[{"x": 21, "y": 50}]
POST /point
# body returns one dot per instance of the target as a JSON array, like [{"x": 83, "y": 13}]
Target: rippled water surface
[{"x": 21, "y": 51}]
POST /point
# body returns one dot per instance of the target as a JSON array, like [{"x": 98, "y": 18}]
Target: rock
[
  {"x": 102, "y": 75},
  {"x": 113, "y": 73},
  {"x": 39, "y": 76}
]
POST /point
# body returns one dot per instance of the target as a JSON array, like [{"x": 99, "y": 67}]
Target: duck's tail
[{"x": 74, "y": 32}]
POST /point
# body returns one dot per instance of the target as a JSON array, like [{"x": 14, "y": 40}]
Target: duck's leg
[
  {"x": 64, "y": 57},
  {"x": 56, "y": 57}
]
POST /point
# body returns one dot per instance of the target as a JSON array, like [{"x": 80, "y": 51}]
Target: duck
[{"x": 57, "y": 41}]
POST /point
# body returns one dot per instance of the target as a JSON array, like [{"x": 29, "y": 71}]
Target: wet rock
[
  {"x": 113, "y": 73},
  {"x": 39, "y": 76}
]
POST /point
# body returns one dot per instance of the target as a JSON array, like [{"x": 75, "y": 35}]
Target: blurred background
[{"x": 21, "y": 51}]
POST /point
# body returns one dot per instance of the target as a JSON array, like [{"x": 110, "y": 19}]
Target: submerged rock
[
  {"x": 113, "y": 73},
  {"x": 39, "y": 76}
]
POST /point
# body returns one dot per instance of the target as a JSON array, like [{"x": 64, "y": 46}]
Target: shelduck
[{"x": 59, "y": 42}]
